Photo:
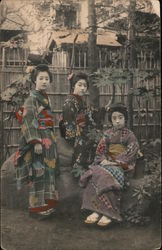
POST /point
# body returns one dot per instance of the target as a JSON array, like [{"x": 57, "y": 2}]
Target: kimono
[
  {"x": 103, "y": 182},
  {"x": 38, "y": 170},
  {"x": 78, "y": 122}
]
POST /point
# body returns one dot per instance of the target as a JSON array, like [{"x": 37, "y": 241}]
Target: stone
[
  {"x": 10, "y": 196},
  {"x": 70, "y": 194},
  {"x": 66, "y": 184},
  {"x": 65, "y": 151}
]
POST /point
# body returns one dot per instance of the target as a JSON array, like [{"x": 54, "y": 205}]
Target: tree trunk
[
  {"x": 92, "y": 53},
  {"x": 131, "y": 37}
]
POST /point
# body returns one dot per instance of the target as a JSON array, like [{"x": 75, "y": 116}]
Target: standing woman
[
  {"x": 36, "y": 160},
  {"x": 77, "y": 123}
]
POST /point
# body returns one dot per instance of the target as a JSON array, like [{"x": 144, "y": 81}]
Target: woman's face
[
  {"x": 80, "y": 87},
  {"x": 118, "y": 120},
  {"x": 42, "y": 80}
]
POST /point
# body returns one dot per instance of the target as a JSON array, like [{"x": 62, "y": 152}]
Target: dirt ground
[{"x": 67, "y": 231}]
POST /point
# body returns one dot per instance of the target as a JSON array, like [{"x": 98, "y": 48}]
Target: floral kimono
[
  {"x": 38, "y": 169},
  {"x": 79, "y": 122},
  {"x": 104, "y": 182}
]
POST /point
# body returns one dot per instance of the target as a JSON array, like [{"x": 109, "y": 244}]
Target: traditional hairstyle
[
  {"x": 74, "y": 78},
  {"x": 40, "y": 68},
  {"x": 118, "y": 107}
]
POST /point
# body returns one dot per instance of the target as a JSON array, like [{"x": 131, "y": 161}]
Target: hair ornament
[{"x": 70, "y": 76}]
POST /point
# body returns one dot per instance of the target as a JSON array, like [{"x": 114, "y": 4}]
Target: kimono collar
[
  {"x": 42, "y": 97},
  {"x": 119, "y": 129},
  {"x": 78, "y": 97}
]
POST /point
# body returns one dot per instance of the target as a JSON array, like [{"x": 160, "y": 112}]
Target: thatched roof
[{"x": 104, "y": 38}]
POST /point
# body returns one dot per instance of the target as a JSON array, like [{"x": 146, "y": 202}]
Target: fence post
[
  {"x": 3, "y": 58},
  {"x": 1, "y": 132}
]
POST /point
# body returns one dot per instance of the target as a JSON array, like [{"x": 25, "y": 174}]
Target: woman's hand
[
  {"x": 38, "y": 148},
  {"x": 110, "y": 163},
  {"x": 104, "y": 162}
]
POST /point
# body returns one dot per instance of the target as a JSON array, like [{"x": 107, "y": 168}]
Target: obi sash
[
  {"x": 116, "y": 149},
  {"x": 45, "y": 119}
]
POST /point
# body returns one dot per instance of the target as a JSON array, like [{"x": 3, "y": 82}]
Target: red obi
[{"x": 45, "y": 119}]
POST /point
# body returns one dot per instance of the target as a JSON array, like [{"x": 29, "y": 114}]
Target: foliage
[
  {"x": 111, "y": 76},
  {"x": 78, "y": 170},
  {"x": 121, "y": 77},
  {"x": 135, "y": 218},
  {"x": 17, "y": 91},
  {"x": 142, "y": 91},
  {"x": 148, "y": 193},
  {"x": 151, "y": 185},
  {"x": 147, "y": 23}
]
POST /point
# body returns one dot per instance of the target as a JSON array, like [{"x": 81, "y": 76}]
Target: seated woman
[{"x": 116, "y": 153}]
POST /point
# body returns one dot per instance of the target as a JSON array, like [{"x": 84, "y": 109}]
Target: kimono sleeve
[
  {"x": 128, "y": 157},
  {"x": 30, "y": 125},
  {"x": 69, "y": 117},
  {"x": 102, "y": 149}
]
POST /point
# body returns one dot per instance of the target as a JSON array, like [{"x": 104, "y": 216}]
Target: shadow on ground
[{"x": 66, "y": 230}]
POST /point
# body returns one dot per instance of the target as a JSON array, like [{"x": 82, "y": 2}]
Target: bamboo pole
[
  {"x": 131, "y": 36},
  {"x": 93, "y": 90},
  {"x": 3, "y": 58}
]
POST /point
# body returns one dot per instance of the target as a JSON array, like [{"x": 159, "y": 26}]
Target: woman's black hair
[
  {"x": 76, "y": 77},
  {"x": 40, "y": 68},
  {"x": 118, "y": 107}
]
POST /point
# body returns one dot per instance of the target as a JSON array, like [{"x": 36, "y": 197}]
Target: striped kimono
[
  {"x": 103, "y": 183},
  {"x": 38, "y": 170}
]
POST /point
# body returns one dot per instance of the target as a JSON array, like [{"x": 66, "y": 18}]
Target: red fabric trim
[
  {"x": 16, "y": 156},
  {"x": 46, "y": 123},
  {"x": 51, "y": 204},
  {"x": 35, "y": 141},
  {"x": 44, "y": 94},
  {"x": 81, "y": 119},
  {"x": 19, "y": 115},
  {"x": 78, "y": 97},
  {"x": 101, "y": 147},
  {"x": 45, "y": 113}
]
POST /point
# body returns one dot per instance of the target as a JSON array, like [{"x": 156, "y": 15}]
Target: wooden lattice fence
[{"x": 146, "y": 116}]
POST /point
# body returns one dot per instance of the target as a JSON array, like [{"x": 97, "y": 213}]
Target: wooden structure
[
  {"x": 147, "y": 111},
  {"x": 13, "y": 56},
  {"x": 61, "y": 43}
]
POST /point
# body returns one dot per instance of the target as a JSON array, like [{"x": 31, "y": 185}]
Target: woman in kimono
[
  {"x": 36, "y": 160},
  {"x": 78, "y": 122},
  {"x": 116, "y": 154}
]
